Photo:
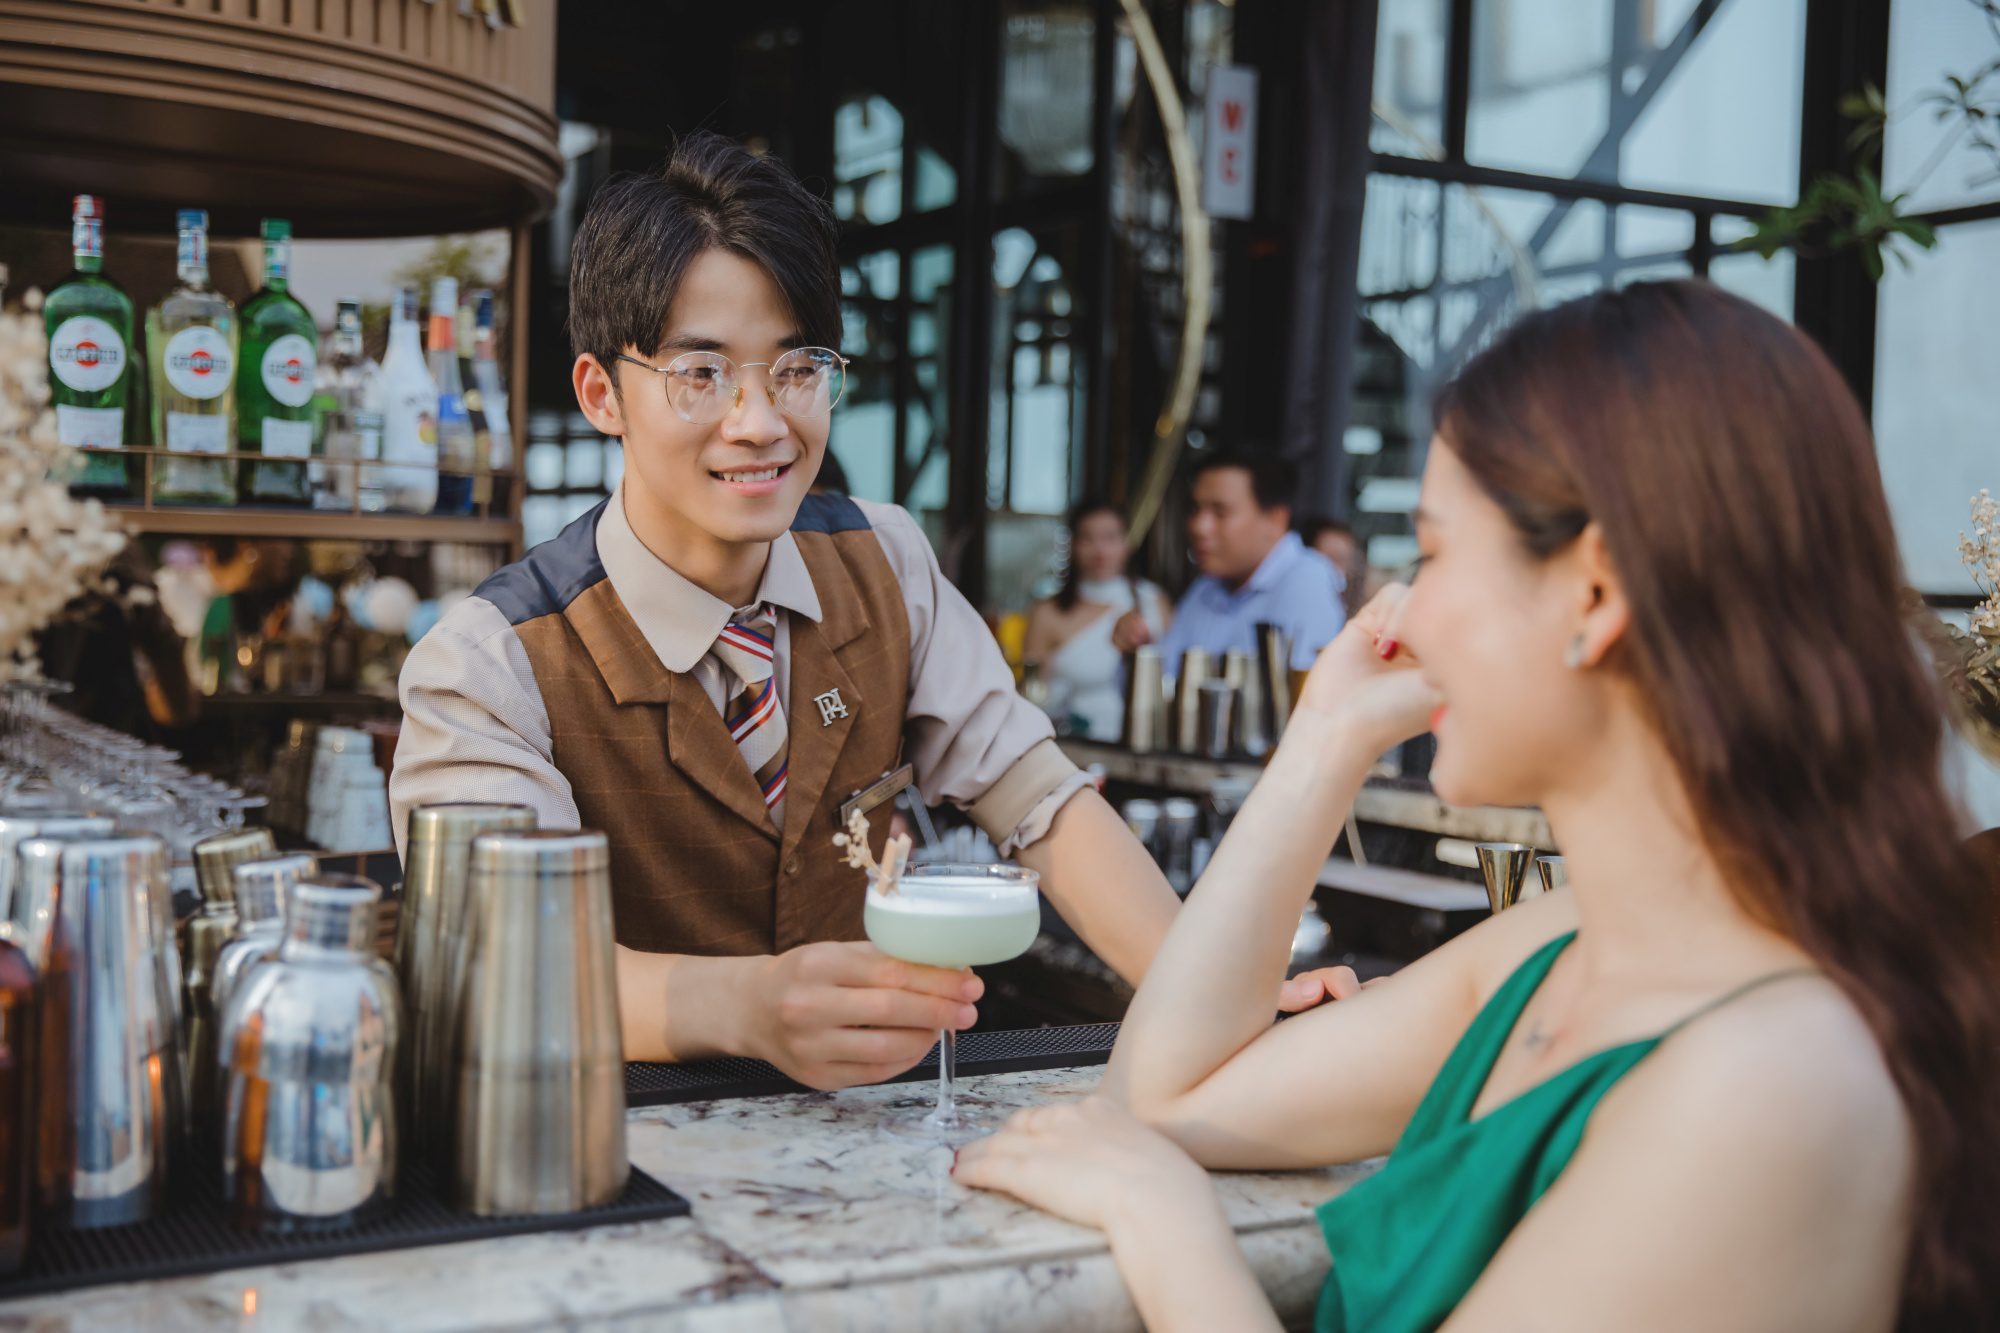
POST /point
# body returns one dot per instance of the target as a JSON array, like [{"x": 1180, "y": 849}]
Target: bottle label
[
  {"x": 86, "y": 237},
  {"x": 192, "y": 251},
  {"x": 90, "y": 427},
  {"x": 87, "y": 354},
  {"x": 287, "y": 439},
  {"x": 197, "y": 433},
  {"x": 277, "y": 261},
  {"x": 198, "y": 362},
  {"x": 288, "y": 368}
]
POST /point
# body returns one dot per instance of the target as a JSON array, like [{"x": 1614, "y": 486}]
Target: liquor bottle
[
  {"x": 191, "y": 340},
  {"x": 467, "y": 345},
  {"x": 457, "y": 461},
  {"x": 89, "y": 323},
  {"x": 274, "y": 381},
  {"x": 17, "y": 1102},
  {"x": 492, "y": 389},
  {"x": 351, "y": 476},
  {"x": 409, "y": 415}
]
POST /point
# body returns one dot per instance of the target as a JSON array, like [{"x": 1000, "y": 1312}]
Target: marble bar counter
[{"x": 806, "y": 1217}]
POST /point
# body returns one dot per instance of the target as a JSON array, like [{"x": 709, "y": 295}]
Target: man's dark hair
[
  {"x": 642, "y": 232},
  {"x": 1312, "y": 529},
  {"x": 1273, "y": 479}
]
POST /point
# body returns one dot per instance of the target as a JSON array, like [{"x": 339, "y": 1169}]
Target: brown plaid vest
[{"x": 697, "y": 866}]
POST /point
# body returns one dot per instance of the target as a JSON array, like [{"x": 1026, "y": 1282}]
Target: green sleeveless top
[{"x": 1409, "y": 1242}]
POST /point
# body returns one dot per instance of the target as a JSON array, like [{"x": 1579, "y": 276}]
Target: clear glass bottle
[
  {"x": 89, "y": 323},
  {"x": 457, "y": 450},
  {"x": 409, "y": 415},
  {"x": 191, "y": 341},
  {"x": 274, "y": 381},
  {"x": 354, "y": 425},
  {"x": 492, "y": 388}
]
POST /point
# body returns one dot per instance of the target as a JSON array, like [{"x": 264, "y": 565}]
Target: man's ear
[{"x": 597, "y": 395}]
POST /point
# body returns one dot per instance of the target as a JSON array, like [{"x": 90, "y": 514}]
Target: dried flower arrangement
[
  {"x": 1975, "y": 675},
  {"x": 854, "y": 850},
  {"x": 53, "y": 547}
]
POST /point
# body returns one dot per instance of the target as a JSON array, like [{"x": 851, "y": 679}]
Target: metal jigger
[
  {"x": 215, "y": 860},
  {"x": 430, "y": 948},
  {"x": 1505, "y": 866},
  {"x": 1555, "y": 874},
  {"x": 540, "y": 1069}
]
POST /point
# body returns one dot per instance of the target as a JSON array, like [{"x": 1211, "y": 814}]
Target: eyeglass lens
[{"x": 804, "y": 382}]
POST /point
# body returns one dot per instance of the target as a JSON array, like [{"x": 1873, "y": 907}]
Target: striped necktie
[{"x": 756, "y": 716}]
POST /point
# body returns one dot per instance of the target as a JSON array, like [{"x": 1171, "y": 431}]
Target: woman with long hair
[
  {"x": 1069, "y": 634},
  {"x": 1745, "y": 1073}
]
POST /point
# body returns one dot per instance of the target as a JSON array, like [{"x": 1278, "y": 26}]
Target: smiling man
[{"x": 710, "y": 663}]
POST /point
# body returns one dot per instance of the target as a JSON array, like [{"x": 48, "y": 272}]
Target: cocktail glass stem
[{"x": 946, "y": 1115}]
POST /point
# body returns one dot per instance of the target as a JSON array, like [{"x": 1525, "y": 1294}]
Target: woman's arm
[{"x": 1198, "y": 1056}]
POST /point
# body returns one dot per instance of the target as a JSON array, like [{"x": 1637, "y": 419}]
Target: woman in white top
[{"x": 1069, "y": 635}]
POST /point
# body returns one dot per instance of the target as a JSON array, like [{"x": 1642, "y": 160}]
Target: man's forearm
[
  {"x": 676, "y": 1007},
  {"x": 1104, "y": 883}
]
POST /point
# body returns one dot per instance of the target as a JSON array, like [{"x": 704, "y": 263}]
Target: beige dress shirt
[{"x": 475, "y": 728}]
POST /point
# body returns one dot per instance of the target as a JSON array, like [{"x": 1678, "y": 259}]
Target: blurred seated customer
[
  {"x": 1336, "y": 541},
  {"x": 1254, "y": 568},
  {"x": 1069, "y": 635},
  {"x": 1740, "y": 1073}
]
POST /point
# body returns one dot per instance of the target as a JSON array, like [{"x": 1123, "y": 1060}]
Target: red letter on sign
[
  {"x": 1229, "y": 172},
  {"x": 1232, "y": 115}
]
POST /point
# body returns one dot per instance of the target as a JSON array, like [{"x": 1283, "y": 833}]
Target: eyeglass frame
[{"x": 770, "y": 394}]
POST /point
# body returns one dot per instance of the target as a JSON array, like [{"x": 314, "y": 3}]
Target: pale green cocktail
[
  {"x": 954, "y": 916},
  {"x": 953, "y": 922}
]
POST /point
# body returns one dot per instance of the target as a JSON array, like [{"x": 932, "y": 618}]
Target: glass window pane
[
  {"x": 1046, "y": 72},
  {"x": 545, "y": 466},
  {"x": 1555, "y": 87},
  {"x": 541, "y": 518},
  {"x": 585, "y": 470},
  {"x": 867, "y": 160},
  {"x": 1768, "y": 282},
  {"x": 1936, "y": 397},
  {"x": 1410, "y": 41},
  {"x": 1928, "y": 41}
]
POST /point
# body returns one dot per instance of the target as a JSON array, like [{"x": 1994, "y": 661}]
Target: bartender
[{"x": 711, "y": 663}]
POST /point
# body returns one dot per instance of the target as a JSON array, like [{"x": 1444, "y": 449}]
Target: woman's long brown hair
[{"x": 1735, "y": 482}]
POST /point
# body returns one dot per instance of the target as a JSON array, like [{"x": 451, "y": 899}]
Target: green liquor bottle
[
  {"x": 274, "y": 381},
  {"x": 191, "y": 340},
  {"x": 89, "y": 323}
]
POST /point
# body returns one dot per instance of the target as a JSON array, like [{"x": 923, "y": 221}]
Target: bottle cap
[
  {"x": 88, "y": 206},
  {"x": 444, "y": 296},
  {"x": 277, "y": 229},
  {"x": 192, "y": 219}
]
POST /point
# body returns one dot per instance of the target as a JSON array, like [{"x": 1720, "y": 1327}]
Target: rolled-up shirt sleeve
[
  {"x": 971, "y": 737},
  {"x": 474, "y": 725}
]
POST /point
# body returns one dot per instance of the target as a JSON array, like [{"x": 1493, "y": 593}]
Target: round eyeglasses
[{"x": 706, "y": 386}]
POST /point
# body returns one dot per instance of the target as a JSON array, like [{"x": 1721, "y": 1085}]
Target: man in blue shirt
[{"x": 1254, "y": 568}]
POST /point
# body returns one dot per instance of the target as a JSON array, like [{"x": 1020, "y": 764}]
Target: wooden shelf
[
  {"x": 349, "y": 117},
  {"x": 315, "y": 525}
]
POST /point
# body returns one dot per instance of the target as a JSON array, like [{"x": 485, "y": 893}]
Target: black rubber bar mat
[
  {"x": 194, "y": 1237},
  {"x": 978, "y": 1053}
]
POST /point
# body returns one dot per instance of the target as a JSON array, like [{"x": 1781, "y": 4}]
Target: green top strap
[{"x": 1410, "y": 1241}]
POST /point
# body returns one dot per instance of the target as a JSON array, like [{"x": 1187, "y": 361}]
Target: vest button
[{"x": 792, "y": 866}]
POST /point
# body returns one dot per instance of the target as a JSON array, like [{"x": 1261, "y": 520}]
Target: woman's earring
[{"x": 1573, "y": 655}]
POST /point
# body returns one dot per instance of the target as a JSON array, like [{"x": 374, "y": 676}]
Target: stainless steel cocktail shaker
[
  {"x": 430, "y": 950},
  {"x": 214, "y": 860},
  {"x": 541, "y": 1073},
  {"x": 309, "y": 1130},
  {"x": 112, "y": 1093},
  {"x": 261, "y": 890}
]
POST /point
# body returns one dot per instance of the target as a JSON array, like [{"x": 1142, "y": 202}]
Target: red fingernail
[{"x": 1387, "y": 648}]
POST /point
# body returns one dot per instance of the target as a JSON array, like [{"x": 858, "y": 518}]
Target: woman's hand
[
  {"x": 1090, "y": 1162},
  {"x": 1367, "y": 680}
]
